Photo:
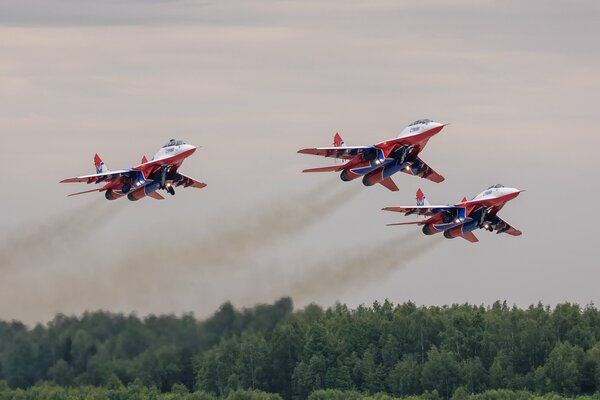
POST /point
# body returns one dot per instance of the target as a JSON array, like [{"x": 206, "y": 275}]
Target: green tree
[
  {"x": 563, "y": 369},
  {"x": 405, "y": 378},
  {"x": 475, "y": 375},
  {"x": 441, "y": 372},
  {"x": 61, "y": 373}
]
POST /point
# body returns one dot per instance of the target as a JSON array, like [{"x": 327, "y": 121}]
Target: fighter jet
[
  {"x": 377, "y": 163},
  {"x": 461, "y": 219},
  {"x": 145, "y": 179}
]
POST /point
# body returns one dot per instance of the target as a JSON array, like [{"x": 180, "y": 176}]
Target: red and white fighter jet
[
  {"x": 461, "y": 219},
  {"x": 377, "y": 163},
  {"x": 145, "y": 179}
]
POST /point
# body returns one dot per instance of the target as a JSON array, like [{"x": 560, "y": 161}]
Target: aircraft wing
[
  {"x": 505, "y": 227},
  {"x": 95, "y": 178},
  {"x": 425, "y": 172},
  {"x": 84, "y": 192},
  {"x": 420, "y": 210},
  {"x": 344, "y": 152},
  {"x": 187, "y": 181}
]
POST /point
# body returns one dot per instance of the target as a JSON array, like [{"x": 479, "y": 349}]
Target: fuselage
[
  {"x": 174, "y": 154},
  {"x": 394, "y": 155},
  {"x": 147, "y": 177},
  {"x": 478, "y": 213}
]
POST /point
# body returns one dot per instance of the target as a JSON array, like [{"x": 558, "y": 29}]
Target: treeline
[
  {"x": 400, "y": 351},
  {"x": 134, "y": 392}
]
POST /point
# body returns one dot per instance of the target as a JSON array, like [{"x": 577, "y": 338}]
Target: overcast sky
[{"x": 254, "y": 81}]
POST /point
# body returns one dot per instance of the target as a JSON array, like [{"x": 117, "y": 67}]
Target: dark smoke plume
[
  {"x": 244, "y": 234},
  {"x": 357, "y": 267},
  {"x": 37, "y": 243}
]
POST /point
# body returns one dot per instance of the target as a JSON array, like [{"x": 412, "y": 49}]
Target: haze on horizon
[{"x": 251, "y": 82}]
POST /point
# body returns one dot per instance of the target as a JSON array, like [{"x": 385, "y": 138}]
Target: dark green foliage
[{"x": 421, "y": 353}]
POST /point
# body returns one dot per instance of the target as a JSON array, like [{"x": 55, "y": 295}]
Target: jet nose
[
  {"x": 435, "y": 127},
  {"x": 514, "y": 192}
]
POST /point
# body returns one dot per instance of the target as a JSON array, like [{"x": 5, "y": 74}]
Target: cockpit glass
[
  {"x": 421, "y": 121},
  {"x": 496, "y": 186},
  {"x": 174, "y": 142}
]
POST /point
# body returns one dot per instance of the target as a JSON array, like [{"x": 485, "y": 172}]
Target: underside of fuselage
[{"x": 377, "y": 170}]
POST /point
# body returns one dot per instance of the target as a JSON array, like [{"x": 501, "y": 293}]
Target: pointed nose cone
[
  {"x": 435, "y": 127},
  {"x": 189, "y": 149},
  {"x": 513, "y": 193}
]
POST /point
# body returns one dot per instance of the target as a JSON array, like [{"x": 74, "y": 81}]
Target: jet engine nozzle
[
  {"x": 430, "y": 229},
  {"x": 112, "y": 195},
  {"x": 348, "y": 175}
]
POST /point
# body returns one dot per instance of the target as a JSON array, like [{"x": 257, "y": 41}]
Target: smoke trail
[
  {"x": 57, "y": 234},
  {"x": 358, "y": 267},
  {"x": 272, "y": 222},
  {"x": 178, "y": 271},
  {"x": 155, "y": 276},
  {"x": 238, "y": 235}
]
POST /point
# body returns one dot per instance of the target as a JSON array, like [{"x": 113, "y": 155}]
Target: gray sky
[{"x": 254, "y": 81}]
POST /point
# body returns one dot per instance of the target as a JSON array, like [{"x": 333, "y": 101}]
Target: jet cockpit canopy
[
  {"x": 174, "y": 142},
  {"x": 421, "y": 121}
]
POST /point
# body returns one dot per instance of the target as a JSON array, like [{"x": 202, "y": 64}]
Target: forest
[{"x": 273, "y": 352}]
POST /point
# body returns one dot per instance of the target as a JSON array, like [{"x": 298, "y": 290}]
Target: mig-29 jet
[
  {"x": 145, "y": 179},
  {"x": 377, "y": 163},
  {"x": 461, "y": 219}
]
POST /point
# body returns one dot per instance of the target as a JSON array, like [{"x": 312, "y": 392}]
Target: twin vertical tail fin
[
  {"x": 338, "y": 142},
  {"x": 99, "y": 164},
  {"x": 421, "y": 199}
]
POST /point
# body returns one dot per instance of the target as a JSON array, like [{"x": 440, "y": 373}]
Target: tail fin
[
  {"x": 144, "y": 159},
  {"x": 338, "y": 142},
  {"x": 421, "y": 199},
  {"x": 100, "y": 166}
]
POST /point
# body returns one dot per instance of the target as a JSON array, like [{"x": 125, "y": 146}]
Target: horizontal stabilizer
[
  {"x": 406, "y": 223},
  {"x": 84, "y": 192},
  {"x": 156, "y": 196},
  {"x": 93, "y": 178},
  {"x": 389, "y": 183},
  {"x": 470, "y": 236},
  {"x": 325, "y": 169}
]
